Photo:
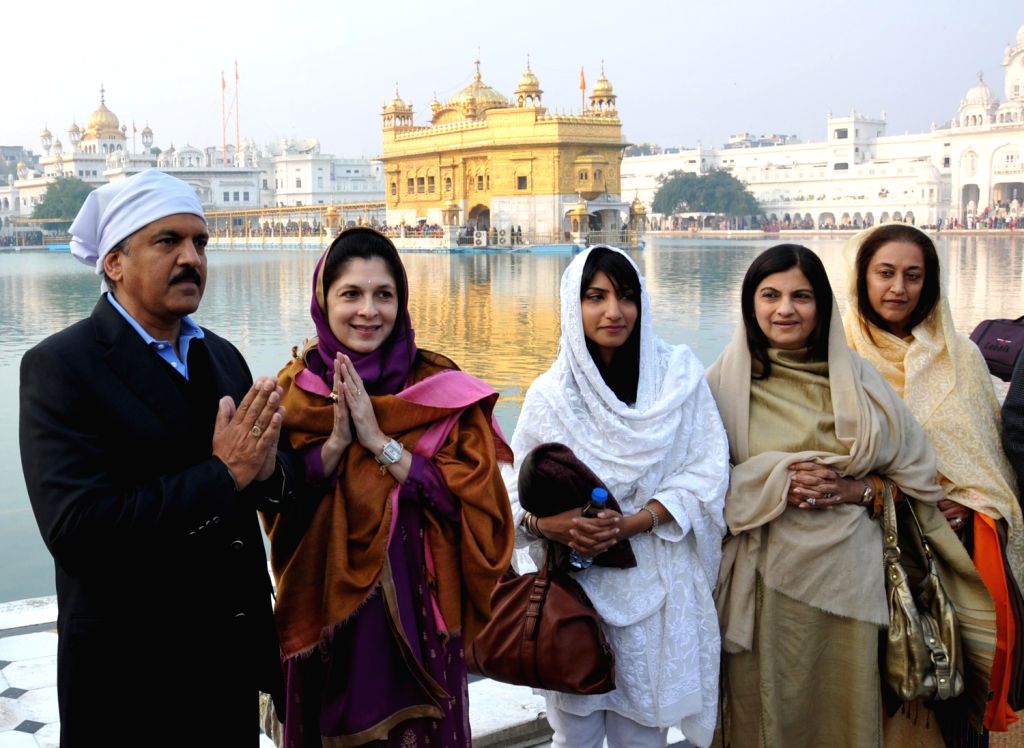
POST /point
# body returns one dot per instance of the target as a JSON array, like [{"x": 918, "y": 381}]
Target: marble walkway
[{"x": 502, "y": 716}]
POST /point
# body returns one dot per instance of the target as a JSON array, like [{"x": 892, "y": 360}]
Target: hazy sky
[{"x": 684, "y": 70}]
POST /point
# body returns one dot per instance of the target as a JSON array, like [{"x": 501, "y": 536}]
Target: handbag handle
[
  {"x": 538, "y": 593},
  {"x": 890, "y": 537}
]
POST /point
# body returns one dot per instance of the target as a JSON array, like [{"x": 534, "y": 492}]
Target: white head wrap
[
  {"x": 670, "y": 445},
  {"x": 119, "y": 209}
]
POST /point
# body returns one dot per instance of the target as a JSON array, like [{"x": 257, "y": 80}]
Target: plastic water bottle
[{"x": 598, "y": 498}]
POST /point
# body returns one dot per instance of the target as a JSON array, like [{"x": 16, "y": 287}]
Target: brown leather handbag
[{"x": 543, "y": 633}]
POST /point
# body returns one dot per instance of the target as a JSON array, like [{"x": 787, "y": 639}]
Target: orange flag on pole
[{"x": 583, "y": 80}]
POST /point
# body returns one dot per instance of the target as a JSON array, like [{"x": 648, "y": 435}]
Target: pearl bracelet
[{"x": 654, "y": 519}]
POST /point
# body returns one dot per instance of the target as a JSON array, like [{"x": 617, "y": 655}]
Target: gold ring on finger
[{"x": 256, "y": 431}]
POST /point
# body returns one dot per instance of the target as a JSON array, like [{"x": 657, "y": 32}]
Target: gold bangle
[
  {"x": 531, "y": 523},
  {"x": 536, "y": 528},
  {"x": 868, "y": 495}
]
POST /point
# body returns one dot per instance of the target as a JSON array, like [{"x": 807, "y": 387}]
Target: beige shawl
[
  {"x": 830, "y": 559},
  {"x": 943, "y": 378}
]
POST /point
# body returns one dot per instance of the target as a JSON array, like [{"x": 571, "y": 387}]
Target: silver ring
[
  {"x": 334, "y": 397},
  {"x": 827, "y": 495},
  {"x": 812, "y": 501},
  {"x": 958, "y": 522}
]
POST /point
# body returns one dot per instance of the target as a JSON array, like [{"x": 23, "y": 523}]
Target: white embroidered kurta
[{"x": 659, "y": 617}]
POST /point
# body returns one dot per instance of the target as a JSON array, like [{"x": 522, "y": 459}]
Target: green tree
[
  {"x": 62, "y": 200},
  {"x": 715, "y": 192}
]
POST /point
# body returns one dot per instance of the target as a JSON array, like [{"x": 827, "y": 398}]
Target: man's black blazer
[{"x": 164, "y": 601}]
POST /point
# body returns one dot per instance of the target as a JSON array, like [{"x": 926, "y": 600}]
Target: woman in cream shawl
[
  {"x": 637, "y": 412},
  {"x": 899, "y": 320},
  {"x": 812, "y": 428}
]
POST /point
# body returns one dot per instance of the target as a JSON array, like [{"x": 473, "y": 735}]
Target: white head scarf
[
  {"x": 119, "y": 209},
  {"x": 669, "y": 445}
]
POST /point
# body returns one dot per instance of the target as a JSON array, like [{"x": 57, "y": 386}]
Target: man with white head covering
[{"x": 147, "y": 450}]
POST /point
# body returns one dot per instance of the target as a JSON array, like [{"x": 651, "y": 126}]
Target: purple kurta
[{"x": 387, "y": 676}]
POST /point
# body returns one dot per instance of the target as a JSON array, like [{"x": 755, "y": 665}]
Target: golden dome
[
  {"x": 483, "y": 95},
  {"x": 603, "y": 87},
  {"x": 103, "y": 119},
  {"x": 146, "y": 130},
  {"x": 46, "y": 133},
  {"x": 74, "y": 127},
  {"x": 103, "y": 122},
  {"x": 637, "y": 207},
  {"x": 528, "y": 83},
  {"x": 395, "y": 103}
]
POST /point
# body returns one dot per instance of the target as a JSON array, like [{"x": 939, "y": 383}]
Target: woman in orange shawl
[
  {"x": 900, "y": 321},
  {"x": 385, "y": 566}
]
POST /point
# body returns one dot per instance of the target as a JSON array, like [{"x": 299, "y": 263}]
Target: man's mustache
[{"x": 188, "y": 274}]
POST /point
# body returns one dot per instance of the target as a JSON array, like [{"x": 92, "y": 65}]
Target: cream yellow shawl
[
  {"x": 943, "y": 378},
  {"x": 831, "y": 559}
]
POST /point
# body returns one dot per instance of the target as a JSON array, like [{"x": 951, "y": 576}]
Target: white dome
[
  {"x": 980, "y": 93},
  {"x": 1020, "y": 37}
]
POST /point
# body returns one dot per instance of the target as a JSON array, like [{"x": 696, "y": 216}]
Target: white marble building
[
  {"x": 969, "y": 169},
  {"x": 302, "y": 175},
  {"x": 105, "y": 150}
]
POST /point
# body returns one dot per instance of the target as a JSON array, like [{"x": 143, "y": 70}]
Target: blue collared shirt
[{"x": 189, "y": 331}]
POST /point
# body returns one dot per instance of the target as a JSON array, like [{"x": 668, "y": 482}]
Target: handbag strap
[
  {"x": 538, "y": 593},
  {"x": 890, "y": 536},
  {"x": 890, "y": 530}
]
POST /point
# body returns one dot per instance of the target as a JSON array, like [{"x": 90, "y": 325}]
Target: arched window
[
  {"x": 394, "y": 188},
  {"x": 447, "y": 185}
]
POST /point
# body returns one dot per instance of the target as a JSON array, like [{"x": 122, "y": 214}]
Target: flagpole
[
  {"x": 223, "y": 121},
  {"x": 238, "y": 119},
  {"x": 583, "y": 92}
]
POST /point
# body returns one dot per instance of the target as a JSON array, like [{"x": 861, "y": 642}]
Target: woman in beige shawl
[
  {"x": 899, "y": 320},
  {"x": 813, "y": 430}
]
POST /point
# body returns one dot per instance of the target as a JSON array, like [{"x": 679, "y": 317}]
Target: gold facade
[{"x": 488, "y": 161}]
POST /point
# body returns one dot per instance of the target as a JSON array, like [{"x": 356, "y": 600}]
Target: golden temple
[{"x": 487, "y": 162}]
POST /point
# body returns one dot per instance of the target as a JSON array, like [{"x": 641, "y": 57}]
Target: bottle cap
[{"x": 599, "y": 495}]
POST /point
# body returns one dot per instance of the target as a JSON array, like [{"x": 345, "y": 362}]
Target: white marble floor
[
  {"x": 500, "y": 714},
  {"x": 28, "y": 688},
  {"x": 28, "y": 691}
]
